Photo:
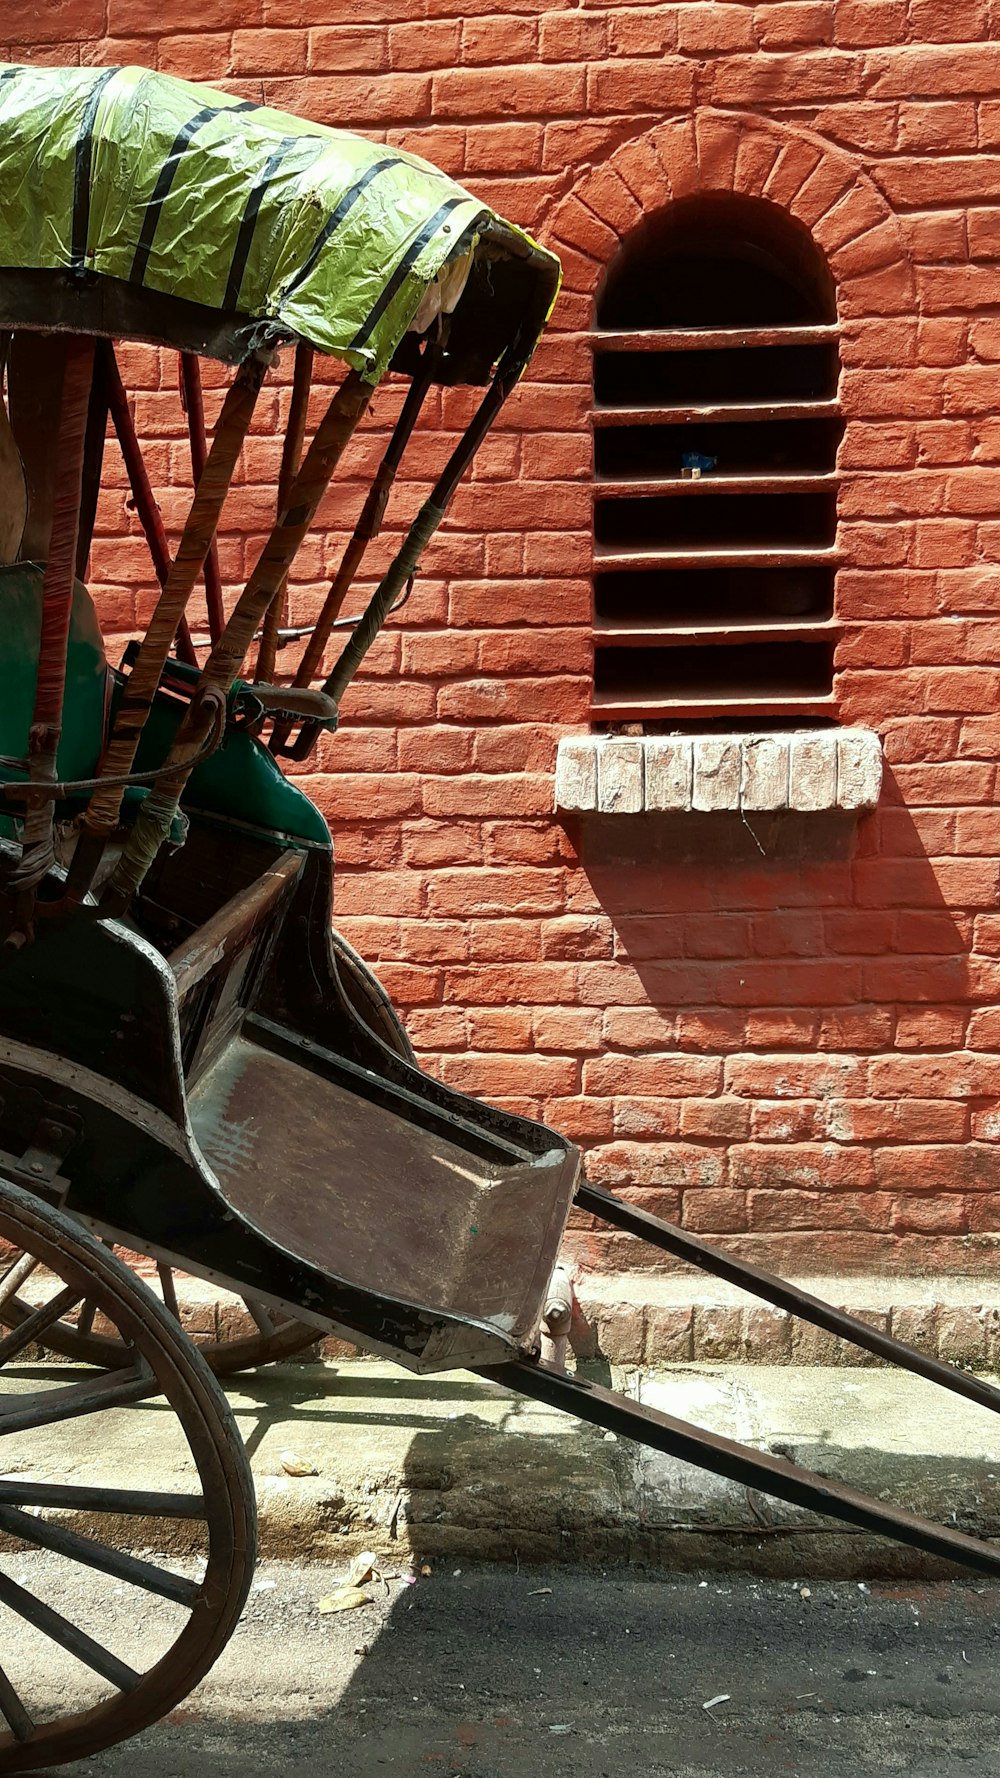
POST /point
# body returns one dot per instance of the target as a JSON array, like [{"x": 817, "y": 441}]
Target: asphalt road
[{"x": 493, "y": 1673}]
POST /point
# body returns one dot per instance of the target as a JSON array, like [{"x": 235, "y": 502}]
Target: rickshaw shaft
[
  {"x": 790, "y": 1297},
  {"x": 740, "y": 1464}
]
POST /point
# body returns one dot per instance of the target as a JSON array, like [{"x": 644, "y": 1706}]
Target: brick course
[{"x": 790, "y": 1043}]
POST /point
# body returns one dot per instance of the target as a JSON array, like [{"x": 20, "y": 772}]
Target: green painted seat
[
  {"x": 88, "y": 680},
  {"x": 241, "y": 782}
]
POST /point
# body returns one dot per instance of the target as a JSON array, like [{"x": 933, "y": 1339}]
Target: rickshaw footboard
[{"x": 743, "y": 1464}]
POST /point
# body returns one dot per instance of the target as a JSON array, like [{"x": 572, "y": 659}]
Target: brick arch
[{"x": 825, "y": 188}]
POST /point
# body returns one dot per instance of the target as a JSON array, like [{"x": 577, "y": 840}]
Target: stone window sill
[{"x": 805, "y": 770}]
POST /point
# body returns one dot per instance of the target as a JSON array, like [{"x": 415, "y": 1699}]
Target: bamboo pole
[{"x": 407, "y": 559}]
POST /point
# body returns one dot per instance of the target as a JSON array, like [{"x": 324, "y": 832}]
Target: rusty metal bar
[
  {"x": 152, "y": 824},
  {"x": 407, "y": 560},
  {"x": 199, "y": 530},
  {"x": 740, "y": 1464},
  {"x": 225, "y": 931},
  {"x": 290, "y": 457},
  {"x": 150, "y": 517},
  {"x": 194, "y": 407}
]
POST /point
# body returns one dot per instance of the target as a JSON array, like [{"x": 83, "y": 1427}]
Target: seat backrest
[{"x": 87, "y": 684}]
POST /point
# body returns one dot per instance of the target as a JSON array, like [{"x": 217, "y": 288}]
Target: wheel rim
[
  {"x": 367, "y": 998},
  {"x": 277, "y": 1335},
  {"x": 113, "y": 1699}
]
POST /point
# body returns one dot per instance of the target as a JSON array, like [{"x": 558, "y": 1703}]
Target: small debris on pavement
[
  {"x": 293, "y": 1464},
  {"x": 721, "y": 1698},
  {"x": 805, "y": 1592},
  {"x": 344, "y": 1599},
  {"x": 537, "y": 1592},
  {"x": 426, "y": 1569},
  {"x": 560, "y": 1728},
  {"x": 362, "y": 1568}
]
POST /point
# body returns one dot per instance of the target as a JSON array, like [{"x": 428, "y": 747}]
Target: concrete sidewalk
[{"x": 450, "y": 1469}]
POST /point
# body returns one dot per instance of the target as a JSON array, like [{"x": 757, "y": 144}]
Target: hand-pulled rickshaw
[{"x": 193, "y": 1069}]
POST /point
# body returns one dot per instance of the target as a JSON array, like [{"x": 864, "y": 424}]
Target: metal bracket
[{"x": 38, "y": 1168}]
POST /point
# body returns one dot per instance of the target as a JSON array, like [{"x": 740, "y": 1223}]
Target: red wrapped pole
[
  {"x": 57, "y": 611},
  {"x": 290, "y": 456},
  {"x": 150, "y": 517},
  {"x": 194, "y": 407}
]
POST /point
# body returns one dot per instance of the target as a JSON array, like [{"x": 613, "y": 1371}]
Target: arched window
[{"x": 716, "y": 429}]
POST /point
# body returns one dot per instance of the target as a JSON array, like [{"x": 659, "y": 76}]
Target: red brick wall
[{"x": 799, "y": 1052}]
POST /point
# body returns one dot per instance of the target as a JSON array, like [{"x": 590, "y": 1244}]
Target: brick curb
[
  {"x": 449, "y": 1469},
  {"x": 652, "y": 1319}
]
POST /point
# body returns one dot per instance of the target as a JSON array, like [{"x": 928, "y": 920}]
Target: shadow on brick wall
[{"x": 796, "y": 1015}]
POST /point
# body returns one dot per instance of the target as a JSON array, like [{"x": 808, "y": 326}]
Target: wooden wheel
[
  {"x": 366, "y": 996},
  {"x": 75, "y": 1335},
  {"x": 65, "y": 1693}
]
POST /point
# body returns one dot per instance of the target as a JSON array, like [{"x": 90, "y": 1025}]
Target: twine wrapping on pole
[
  {"x": 199, "y": 530},
  {"x": 329, "y": 442},
  {"x": 402, "y": 569}
]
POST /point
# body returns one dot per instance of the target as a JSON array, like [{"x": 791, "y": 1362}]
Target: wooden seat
[{"x": 379, "y": 1188}]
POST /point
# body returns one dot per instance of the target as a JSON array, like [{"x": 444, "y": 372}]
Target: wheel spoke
[
  {"x": 85, "y": 1302},
  {"x": 16, "y": 1275},
  {"x": 169, "y": 1289},
  {"x": 132, "y": 1569},
  {"x": 136, "y": 1502},
  {"x": 36, "y": 1324},
  {"x": 261, "y": 1316},
  {"x": 13, "y": 1711},
  {"x": 59, "y": 1629},
  {"x": 51, "y": 1405}
]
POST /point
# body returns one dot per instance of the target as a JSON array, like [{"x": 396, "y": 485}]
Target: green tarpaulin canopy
[{"x": 175, "y": 188}]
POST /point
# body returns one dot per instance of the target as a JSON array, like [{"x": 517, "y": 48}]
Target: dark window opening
[
  {"x": 776, "y": 447},
  {"x": 716, "y": 434},
  {"x": 743, "y": 374},
  {"x": 698, "y": 680},
  {"x": 715, "y": 522},
  {"x": 707, "y": 597}
]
